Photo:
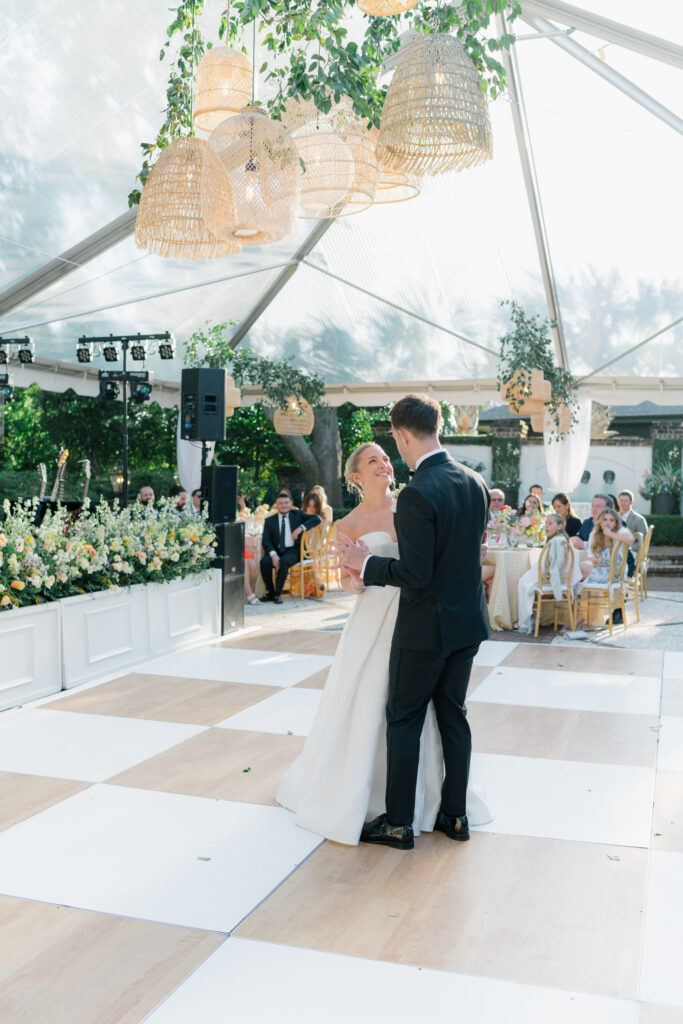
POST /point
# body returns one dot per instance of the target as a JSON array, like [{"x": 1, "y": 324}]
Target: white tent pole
[
  {"x": 526, "y": 157},
  {"x": 16, "y": 328},
  {"x": 401, "y": 309},
  {"x": 604, "y": 28},
  {"x": 634, "y": 348},
  {"x": 603, "y": 69}
]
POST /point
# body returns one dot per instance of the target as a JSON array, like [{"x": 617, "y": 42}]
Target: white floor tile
[
  {"x": 661, "y": 979},
  {"x": 572, "y": 800},
  {"x": 65, "y": 745},
  {"x": 260, "y": 981},
  {"x": 183, "y": 860},
  {"x": 580, "y": 691},
  {"x": 492, "y": 652},
  {"x": 289, "y": 711},
  {"x": 671, "y": 743},
  {"x": 673, "y": 665},
  {"x": 233, "y": 665}
]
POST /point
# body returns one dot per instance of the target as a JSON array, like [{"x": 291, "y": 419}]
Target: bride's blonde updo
[{"x": 351, "y": 467}]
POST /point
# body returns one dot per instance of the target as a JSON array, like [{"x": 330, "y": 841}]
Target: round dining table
[{"x": 510, "y": 564}]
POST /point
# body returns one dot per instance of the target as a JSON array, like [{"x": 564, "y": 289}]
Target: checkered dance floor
[{"x": 147, "y": 874}]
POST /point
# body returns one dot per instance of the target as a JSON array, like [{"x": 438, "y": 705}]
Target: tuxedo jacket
[
  {"x": 441, "y": 518},
  {"x": 271, "y": 528}
]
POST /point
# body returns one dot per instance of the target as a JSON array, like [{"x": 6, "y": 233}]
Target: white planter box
[
  {"x": 31, "y": 664},
  {"x": 183, "y": 613},
  {"x": 103, "y": 632}
]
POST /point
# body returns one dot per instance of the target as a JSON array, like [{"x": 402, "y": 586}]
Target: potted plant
[
  {"x": 526, "y": 359},
  {"x": 662, "y": 487}
]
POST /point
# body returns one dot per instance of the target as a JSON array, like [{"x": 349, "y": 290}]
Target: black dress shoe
[
  {"x": 455, "y": 828},
  {"x": 277, "y": 599},
  {"x": 382, "y": 833},
  {"x": 267, "y": 597}
]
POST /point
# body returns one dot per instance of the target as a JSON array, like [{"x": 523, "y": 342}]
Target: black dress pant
[
  {"x": 288, "y": 558},
  {"x": 415, "y": 678}
]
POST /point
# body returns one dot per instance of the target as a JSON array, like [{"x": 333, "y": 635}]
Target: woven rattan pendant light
[
  {"x": 223, "y": 86},
  {"x": 186, "y": 207},
  {"x": 435, "y": 115},
  {"x": 263, "y": 169},
  {"x": 384, "y": 8},
  {"x": 394, "y": 186},
  {"x": 339, "y": 158}
]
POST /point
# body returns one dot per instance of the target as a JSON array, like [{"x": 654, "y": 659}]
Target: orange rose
[
  {"x": 5, "y": 601},
  {"x": 17, "y": 585}
]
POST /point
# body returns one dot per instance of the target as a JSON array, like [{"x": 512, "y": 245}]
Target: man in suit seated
[
  {"x": 281, "y": 535},
  {"x": 633, "y": 520}
]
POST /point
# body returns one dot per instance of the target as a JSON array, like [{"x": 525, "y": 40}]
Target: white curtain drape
[
  {"x": 190, "y": 461},
  {"x": 566, "y": 459}
]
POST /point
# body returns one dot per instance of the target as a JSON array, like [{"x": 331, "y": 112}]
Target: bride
[{"x": 338, "y": 781}]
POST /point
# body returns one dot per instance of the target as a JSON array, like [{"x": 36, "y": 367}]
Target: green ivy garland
[{"x": 313, "y": 58}]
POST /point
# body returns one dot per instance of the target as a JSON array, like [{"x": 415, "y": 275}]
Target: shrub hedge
[{"x": 668, "y": 530}]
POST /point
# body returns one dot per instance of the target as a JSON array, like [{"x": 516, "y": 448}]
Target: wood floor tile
[
  {"x": 528, "y": 910},
  {"x": 293, "y": 641},
  {"x": 166, "y": 699},
  {"x": 215, "y": 763},
  {"x": 477, "y": 677},
  {"x": 316, "y": 681},
  {"x": 64, "y": 966},
  {"x": 598, "y": 737},
  {"x": 652, "y": 1013},
  {"x": 667, "y": 828},
  {"x": 589, "y": 659},
  {"x": 22, "y": 796}
]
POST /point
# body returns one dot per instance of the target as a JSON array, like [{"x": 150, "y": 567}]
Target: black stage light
[
  {"x": 27, "y": 351},
  {"x": 6, "y": 387},
  {"x": 110, "y": 352},
  {"x": 3, "y": 356},
  {"x": 138, "y": 351},
  {"x": 109, "y": 390},
  {"x": 83, "y": 352},
  {"x": 140, "y": 391},
  {"x": 167, "y": 348}
]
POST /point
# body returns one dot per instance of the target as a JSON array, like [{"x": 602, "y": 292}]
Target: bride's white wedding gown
[{"x": 338, "y": 781}]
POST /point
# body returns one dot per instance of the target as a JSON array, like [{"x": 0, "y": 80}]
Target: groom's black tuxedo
[{"x": 441, "y": 518}]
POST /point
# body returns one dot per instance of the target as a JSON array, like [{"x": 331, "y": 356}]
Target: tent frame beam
[
  {"x": 629, "y": 351},
  {"x": 615, "y": 78},
  {"x": 531, "y": 185},
  {"x": 610, "y": 31}
]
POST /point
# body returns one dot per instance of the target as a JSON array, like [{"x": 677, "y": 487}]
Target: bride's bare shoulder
[{"x": 350, "y": 525}]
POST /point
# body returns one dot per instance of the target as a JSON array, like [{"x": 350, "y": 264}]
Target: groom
[{"x": 440, "y": 520}]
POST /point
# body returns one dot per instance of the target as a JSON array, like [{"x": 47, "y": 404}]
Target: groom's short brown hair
[{"x": 419, "y": 414}]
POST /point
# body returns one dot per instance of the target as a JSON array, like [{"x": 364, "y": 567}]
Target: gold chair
[
  {"x": 612, "y": 594},
  {"x": 544, "y": 591},
  {"x": 311, "y": 563},
  {"x": 645, "y": 564}
]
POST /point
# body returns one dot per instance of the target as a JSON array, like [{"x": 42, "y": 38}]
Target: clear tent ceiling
[{"x": 78, "y": 103}]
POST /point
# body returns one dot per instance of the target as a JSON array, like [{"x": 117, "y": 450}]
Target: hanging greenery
[
  {"x": 312, "y": 56},
  {"x": 530, "y": 347}
]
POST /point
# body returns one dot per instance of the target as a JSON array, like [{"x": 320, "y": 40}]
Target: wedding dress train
[{"x": 338, "y": 781}]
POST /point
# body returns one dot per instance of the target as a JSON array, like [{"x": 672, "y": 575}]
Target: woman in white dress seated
[
  {"x": 605, "y": 533},
  {"x": 528, "y": 583},
  {"x": 338, "y": 781}
]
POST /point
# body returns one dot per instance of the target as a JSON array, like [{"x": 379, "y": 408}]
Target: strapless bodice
[{"x": 380, "y": 543}]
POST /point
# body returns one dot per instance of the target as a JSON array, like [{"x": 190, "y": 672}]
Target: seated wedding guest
[
  {"x": 146, "y": 496},
  {"x": 251, "y": 570},
  {"x": 180, "y": 494},
  {"x": 327, "y": 509},
  {"x": 312, "y": 505},
  {"x": 633, "y": 520},
  {"x": 532, "y": 506},
  {"x": 527, "y": 584},
  {"x": 563, "y": 507},
  {"x": 195, "y": 508},
  {"x": 599, "y": 504},
  {"x": 497, "y": 502},
  {"x": 243, "y": 511},
  {"x": 487, "y": 571},
  {"x": 281, "y": 533},
  {"x": 537, "y": 490},
  {"x": 608, "y": 528}
]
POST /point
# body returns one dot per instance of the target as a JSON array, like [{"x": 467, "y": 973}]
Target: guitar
[
  {"x": 42, "y": 473},
  {"x": 58, "y": 486}
]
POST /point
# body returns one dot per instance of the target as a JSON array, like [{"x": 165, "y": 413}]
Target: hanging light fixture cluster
[{"x": 247, "y": 184}]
